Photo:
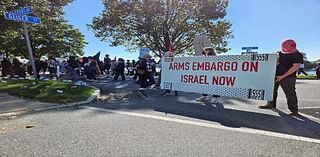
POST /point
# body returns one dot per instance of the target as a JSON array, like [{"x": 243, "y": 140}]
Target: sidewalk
[{"x": 11, "y": 105}]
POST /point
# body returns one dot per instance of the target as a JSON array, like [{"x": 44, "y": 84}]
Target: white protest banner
[
  {"x": 143, "y": 51},
  {"x": 241, "y": 76}
]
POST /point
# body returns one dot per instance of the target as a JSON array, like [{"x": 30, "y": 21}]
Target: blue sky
[{"x": 262, "y": 23}]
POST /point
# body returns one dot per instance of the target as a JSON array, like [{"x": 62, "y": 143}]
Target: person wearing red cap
[{"x": 288, "y": 64}]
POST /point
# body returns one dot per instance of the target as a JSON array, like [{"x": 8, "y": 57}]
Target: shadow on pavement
[
  {"x": 299, "y": 126},
  {"x": 184, "y": 106}
]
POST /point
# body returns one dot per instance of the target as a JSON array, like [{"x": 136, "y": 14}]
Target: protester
[
  {"x": 29, "y": 68},
  {"x": 120, "y": 69},
  {"x": 301, "y": 70},
  {"x": 6, "y": 67},
  {"x": 107, "y": 64},
  {"x": 44, "y": 65},
  {"x": 94, "y": 68},
  {"x": 209, "y": 51},
  {"x": 136, "y": 65},
  {"x": 134, "y": 69},
  {"x": 101, "y": 67},
  {"x": 87, "y": 68},
  {"x": 130, "y": 68},
  {"x": 52, "y": 66},
  {"x": 18, "y": 68},
  {"x": 288, "y": 63},
  {"x": 113, "y": 66},
  {"x": 142, "y": 71},
  {"x": 38, "y": 66},
  {"x": 72, "y": 67},
  {"x": 64, "y": 65},
  {"x": 152, "y": 71},
  {"x": 318, "y": 71}
]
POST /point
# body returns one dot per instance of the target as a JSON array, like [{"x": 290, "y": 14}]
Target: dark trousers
[
  {"x": 119, "y": 72},
  {"x": 289, "y": 87},
  {"x": 143, "y": 80},
  {"x": 302, "y": 71}
]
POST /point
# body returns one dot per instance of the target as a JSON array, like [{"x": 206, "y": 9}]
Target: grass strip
[{"x": 47, "y": 91}]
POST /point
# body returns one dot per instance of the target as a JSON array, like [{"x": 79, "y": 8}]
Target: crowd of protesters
[{"x": 89, "y": 68}]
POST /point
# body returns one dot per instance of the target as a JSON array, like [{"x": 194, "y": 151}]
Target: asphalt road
[
  {"x": 89, "y": 132},
  {"x": 167, "y": 126}
]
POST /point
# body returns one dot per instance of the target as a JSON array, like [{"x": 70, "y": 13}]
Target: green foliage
[
  {"x": 159, "y": 24},
  {"x": 53, "y": 37},
  {"x": 307, "y": 77},
  {"x": 47, "y": 91}
]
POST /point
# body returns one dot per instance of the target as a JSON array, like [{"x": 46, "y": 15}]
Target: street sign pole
[
  {"x": 20, "y": 16},
  {"x": 26, "y": 34}
]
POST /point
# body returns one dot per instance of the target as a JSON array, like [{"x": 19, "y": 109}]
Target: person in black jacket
[
  {"x": 107, "y": 64},
  {"x": 288, "y": 65},
  {"x": 120, "y": 69},
  {"x": 17, "y": 68},
  {"x": 136, "y": 65},
  {"x": 142, "y": 71},
  {"x": 6, "y": 67},
  {"x": 318, "y": 71}
]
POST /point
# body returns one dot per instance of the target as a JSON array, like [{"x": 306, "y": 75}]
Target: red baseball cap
[{"x": 289, "y": 46}]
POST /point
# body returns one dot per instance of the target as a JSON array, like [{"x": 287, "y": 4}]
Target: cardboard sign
[
  {"x": 201, "y": 41},
  {"x": 143, "y": 51},
  {"x": 241, "y": 76}
]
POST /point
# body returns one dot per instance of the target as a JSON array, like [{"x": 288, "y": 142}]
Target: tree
[
  {"x": 53, "y": 37},
  {"x": 160, "y": 24}
]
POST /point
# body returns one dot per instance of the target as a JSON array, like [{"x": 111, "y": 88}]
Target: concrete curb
[{"x": 91, "y": 99}]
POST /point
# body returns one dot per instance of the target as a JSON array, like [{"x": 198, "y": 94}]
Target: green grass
[
  {"x": 46, "y": 91},
  {"x": 307, "y": 77}
]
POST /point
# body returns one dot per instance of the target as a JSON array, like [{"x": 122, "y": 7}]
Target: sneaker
[
  {"x": 215, "y": 100},
  {"x": 166, "y": 94},
  {"x": 152, "y": 86},
  {"x": 268, "y": 106},
  {"x": 142, "y": 88},
  {"x": 294, "y": 114},
  {"x": 202, "y": 98}
]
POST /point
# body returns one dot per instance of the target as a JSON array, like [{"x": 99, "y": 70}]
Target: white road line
[
  {"x": 215, "y": 126},
  {"x": 310, "y": 117},
  {"x": 313, "y": 107},
  {"x": 299, "y": 100}
]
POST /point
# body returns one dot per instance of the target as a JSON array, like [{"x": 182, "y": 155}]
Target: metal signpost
[{"x": 19, "y": 15}]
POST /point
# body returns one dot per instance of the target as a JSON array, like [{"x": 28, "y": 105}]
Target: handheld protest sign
[
  {"x": 144, "y": 51},
  {"x": 200, "y": 42}
]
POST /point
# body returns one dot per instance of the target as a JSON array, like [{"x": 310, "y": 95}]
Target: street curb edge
[{"x": 96, "y": 94}]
